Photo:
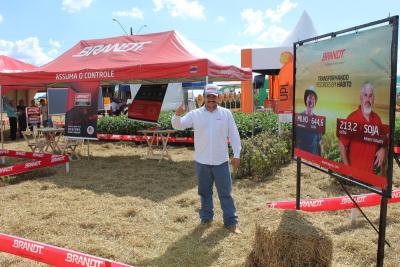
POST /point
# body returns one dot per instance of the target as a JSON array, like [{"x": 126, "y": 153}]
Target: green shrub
[
  {"x": 120, "y": 125},
  {"x": 263, "y": 154},
  {"x": 259, "y": 122},
  {"x": 263, "y": 122}
]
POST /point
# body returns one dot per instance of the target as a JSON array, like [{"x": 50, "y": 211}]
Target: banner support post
[
  {"x": 382, "y": 230},
  {"x": 298, "y": 182}
]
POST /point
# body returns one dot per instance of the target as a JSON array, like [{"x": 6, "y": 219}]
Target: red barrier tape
[
  {"x": 41, "y": 160},
  {"x": 52, "y": 255},
  {"x": 23, "y": 154},
  {"x": 171, "y": 139},
  {"x": 335, "y": 203}
]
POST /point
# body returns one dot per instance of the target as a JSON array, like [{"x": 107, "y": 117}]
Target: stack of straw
[{"x": 293, "y": 242}]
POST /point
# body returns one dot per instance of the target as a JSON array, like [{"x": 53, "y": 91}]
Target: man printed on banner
[
  {"x": 307, "y": 137},
  {"x": 357, "y": 153}
]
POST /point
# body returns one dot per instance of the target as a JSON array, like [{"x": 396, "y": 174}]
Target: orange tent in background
[
  {"x": 277, "y": 62},
  {"x": 273, "y": 83},
  {"x": 286, "y": 88}
]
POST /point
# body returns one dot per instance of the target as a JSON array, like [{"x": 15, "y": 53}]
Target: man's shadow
[{"x": 194, "y": 249}]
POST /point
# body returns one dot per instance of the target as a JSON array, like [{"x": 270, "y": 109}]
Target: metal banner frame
[{"x": 384, "y": 192}]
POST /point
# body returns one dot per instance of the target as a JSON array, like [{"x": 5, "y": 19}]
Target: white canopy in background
[{"x": 269, "y": 58}]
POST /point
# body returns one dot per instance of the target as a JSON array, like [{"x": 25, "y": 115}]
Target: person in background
[
  {"x": 213, "y": 125},
  {"x": 44, "y": 111},
  {"x": 12, "y": 117},
  {"x": 21, "y": 111},
  {"x": 115, "y": 107}
]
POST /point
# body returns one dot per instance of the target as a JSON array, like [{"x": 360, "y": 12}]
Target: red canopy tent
[
  {"x": 156, "y": 58},
  {"x": 8, "y": 64},
  {"x": 152, "y": 58},
  {"x": 11, "y": 65}
]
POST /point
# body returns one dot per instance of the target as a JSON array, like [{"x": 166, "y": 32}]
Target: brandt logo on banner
[
  {"x": 6, "y": 169},
  {"x": 107, "y": 48},
  {"x": 24, "y": 245},
  {"x": 57, "y": 158},
  {"x": 333, "y": 55},
  {"x": 395, "y": 194},
  {"x": 311, "y": 203},
  {"x": 83, "y": 260},
  {"x": 32, "y": 164},
  {"x": 357, "y": 199}
]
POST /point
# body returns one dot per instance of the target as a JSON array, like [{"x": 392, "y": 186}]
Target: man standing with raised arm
[{"x": 213, "y": 126}]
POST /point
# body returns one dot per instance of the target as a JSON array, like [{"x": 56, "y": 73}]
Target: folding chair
[
  {"x": 69, "y": 147},
  {"x": 33, "y": 142}
]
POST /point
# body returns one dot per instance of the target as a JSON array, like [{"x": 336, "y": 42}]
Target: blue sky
[{"x": 38, "y": 31}]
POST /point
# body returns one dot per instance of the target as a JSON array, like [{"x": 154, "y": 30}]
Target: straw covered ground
[{"x": 120, "y": 206}]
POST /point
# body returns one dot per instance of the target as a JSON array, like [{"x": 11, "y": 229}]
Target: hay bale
[{"x": 293, "y": 242}]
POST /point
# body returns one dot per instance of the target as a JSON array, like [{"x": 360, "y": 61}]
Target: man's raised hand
[{"x": 180, "y": 110}]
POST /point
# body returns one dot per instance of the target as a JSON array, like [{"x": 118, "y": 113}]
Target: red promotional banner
[
  {"x": 147, "y": 103},
  {"x": 171, "y": 139},
  {"x": 41, "y": 160},
  {"x": 310, "y": 122},
  {"x": 23, "y": 154},
  {"x": 364, "y": 176},
  {"x": 81, "y": 116},
  {"x": 364, "y": 132},
  {"x": 335, "y": 203},
  {"x": 51, "y": 255},
  {"x": 145, "y": 110}
]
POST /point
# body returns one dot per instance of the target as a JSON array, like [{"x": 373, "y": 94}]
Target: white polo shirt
[{"x": 211, "y": 133}]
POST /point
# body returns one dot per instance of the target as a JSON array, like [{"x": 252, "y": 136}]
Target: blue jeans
[{"x": 206, "y": 175}]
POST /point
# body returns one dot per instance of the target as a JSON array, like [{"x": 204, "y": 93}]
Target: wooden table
[
  {"x": 52, "y": 137},
  {"x": 153, "y": 136}
]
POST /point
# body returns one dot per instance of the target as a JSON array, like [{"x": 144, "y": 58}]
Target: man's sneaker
[{"x": 234, "y": 229}]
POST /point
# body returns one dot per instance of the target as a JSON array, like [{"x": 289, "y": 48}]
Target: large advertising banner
[
  {"x": 146, "y": 106},
  {"x": 342, "y": 104},
  {"x": 81, "y": 116}
]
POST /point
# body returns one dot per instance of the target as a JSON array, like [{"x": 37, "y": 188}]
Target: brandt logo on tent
[{"x": 106, "y": 48}]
